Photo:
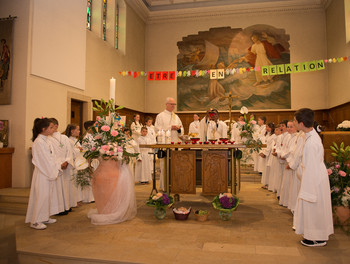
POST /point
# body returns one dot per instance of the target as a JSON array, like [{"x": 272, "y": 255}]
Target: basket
[{"x": 181, "y": 216}]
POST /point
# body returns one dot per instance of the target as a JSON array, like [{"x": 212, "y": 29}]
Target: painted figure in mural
[
  {"x": 4, "y": 62},
  {"x": 258, "y": 55}
]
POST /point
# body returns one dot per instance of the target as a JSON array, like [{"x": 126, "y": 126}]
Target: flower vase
[
  {"x": 104, "y": 182},
  {"x": 160, "y": 213},
  {"x": 224, "y": 215},
  {"x": 343, "y": 215}
]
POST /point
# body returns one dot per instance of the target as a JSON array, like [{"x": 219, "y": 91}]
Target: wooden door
[{"x": 77, "y": 114}]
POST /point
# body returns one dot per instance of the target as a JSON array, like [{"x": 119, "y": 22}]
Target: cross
[{"x": 230, "y": 98}]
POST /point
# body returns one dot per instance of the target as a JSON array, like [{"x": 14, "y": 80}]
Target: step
[
  {"x": 14, "y": 195},
  {"x": 13, "y": 208}
]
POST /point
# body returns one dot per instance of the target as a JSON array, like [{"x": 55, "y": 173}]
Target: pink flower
[
  {"x": 93, "y": 149},
  {"x": 105, "y": 128},
  {"x": 329, "y": 171},
  {"x": 241, "y": 122},
  {"x": 114, "y": 133},
  {"x": 336, "y": 189},
  {"x": 98, "y": 118},
  {"x": 105, "y": 147},
  {"x": 120, "y": 149},
  {"x": 253, "y": 122},
  {"x": 342, "y": 173},
  {"x": 337, "y": 166}
]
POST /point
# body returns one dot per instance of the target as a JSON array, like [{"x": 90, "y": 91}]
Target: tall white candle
[{"x": 112, "y": 89}]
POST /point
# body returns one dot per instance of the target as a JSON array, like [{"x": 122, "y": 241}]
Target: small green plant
[
  {"x": 201, "y": 212},
  {"x": 341, "y": 153}
]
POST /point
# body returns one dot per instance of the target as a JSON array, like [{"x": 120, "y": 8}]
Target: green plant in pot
[{"x": 339, "y": 178}]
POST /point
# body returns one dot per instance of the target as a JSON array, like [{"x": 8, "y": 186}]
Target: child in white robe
[
  {"x": 274, "y": 162},
  {"x": 236, "y": 129},
  {"x": 64, "y": 156},
  {"x": 260, "y": 133},
  {"x": 131, "y": 147},
  {"x": 194, "y": 128},
  {"x": 287, "y": 174},
  {"x": 143, "y": 168},
  {"x": 151, "y": 134},
  {"x": 136, "y": 127},
  {"x": 43, "y": 192},
  {"x": 293, "y": 163},
  {"x": 72, "y": 132},
  {"x": 265, "y": 154},
  {"x": 87, "y": 194},
  {"x": 313, "y": 213},
  {"x": 282, "y": 163}
]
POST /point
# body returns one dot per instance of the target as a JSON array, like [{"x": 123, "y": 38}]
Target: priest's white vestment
[{"x": 164, "y": 121}]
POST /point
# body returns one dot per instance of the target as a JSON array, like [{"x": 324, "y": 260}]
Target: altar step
[
  {"x": 249, "y": 175},
  {"x": 14, "y": 200}
]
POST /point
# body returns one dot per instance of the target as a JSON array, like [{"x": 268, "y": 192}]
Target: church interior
[{"x": 62, "y": 62}]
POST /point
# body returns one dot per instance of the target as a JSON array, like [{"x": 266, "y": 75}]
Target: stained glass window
[
  {"x": 88, "y": 20},
  {"x": 104, "y": 19},
  {"x": 116, "y": 24}
]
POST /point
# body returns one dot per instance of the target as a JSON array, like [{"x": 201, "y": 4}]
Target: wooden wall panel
[
  {"x": 183, "y": 172},
  {"x": 329, "y": 118},
  {"x": 215, "y": 171}
]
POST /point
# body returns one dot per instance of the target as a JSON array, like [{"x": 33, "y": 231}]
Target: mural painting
[{"x": 227, "y": 48}]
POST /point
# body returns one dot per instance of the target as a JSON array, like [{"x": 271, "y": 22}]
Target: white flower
[
  {"x": 344, "y": 124},
  {"x": 244, "y": 110}
]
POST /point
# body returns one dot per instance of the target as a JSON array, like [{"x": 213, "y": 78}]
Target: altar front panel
[
  {"x": 215, "y": 171},
  {"x": 183, "y": 172}
]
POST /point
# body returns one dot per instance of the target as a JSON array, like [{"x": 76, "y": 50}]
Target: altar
[{"x": 218, "y": 163}]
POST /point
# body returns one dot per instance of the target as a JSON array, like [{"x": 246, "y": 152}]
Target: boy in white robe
[
  {"x": 313, "y": 213},
  {"x": 43, "y": 192},
  {"x": 64, "y": 156},
  {"x": 143, "y": 164}
]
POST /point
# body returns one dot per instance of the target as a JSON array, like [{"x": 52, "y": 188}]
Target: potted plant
[
  {"x": 201, "y": 215},
  {"x": 225, "y": 203},
  {"x": 339, "y": 178},
  {"x": 160, "y": 201}
]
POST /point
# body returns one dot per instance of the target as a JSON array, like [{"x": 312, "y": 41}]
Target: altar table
[{"x": 218, "y": 163}]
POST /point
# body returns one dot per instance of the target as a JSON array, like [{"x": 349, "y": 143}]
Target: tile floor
[{"x": 260, "y": 231}]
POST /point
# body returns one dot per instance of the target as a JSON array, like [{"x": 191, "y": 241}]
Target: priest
[
  {"x": 216, "y": 128},
  {"x": 168, "y": 120}
]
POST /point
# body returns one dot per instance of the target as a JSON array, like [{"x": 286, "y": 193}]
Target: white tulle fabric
[{"x": 113, "y": 188}]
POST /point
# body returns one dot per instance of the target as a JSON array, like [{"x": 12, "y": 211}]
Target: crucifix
[{"x": 230, "y": 98}]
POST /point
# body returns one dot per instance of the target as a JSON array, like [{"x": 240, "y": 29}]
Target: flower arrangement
[
  {"x": 339, "y": 175},
  {"x": 247, "y": 131},
  {"x": 107, "y": 140},
  {"x": 160, "y": 200},
  {"x": 225, "y": 202},
  {"x": 344, "y": 126}
]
